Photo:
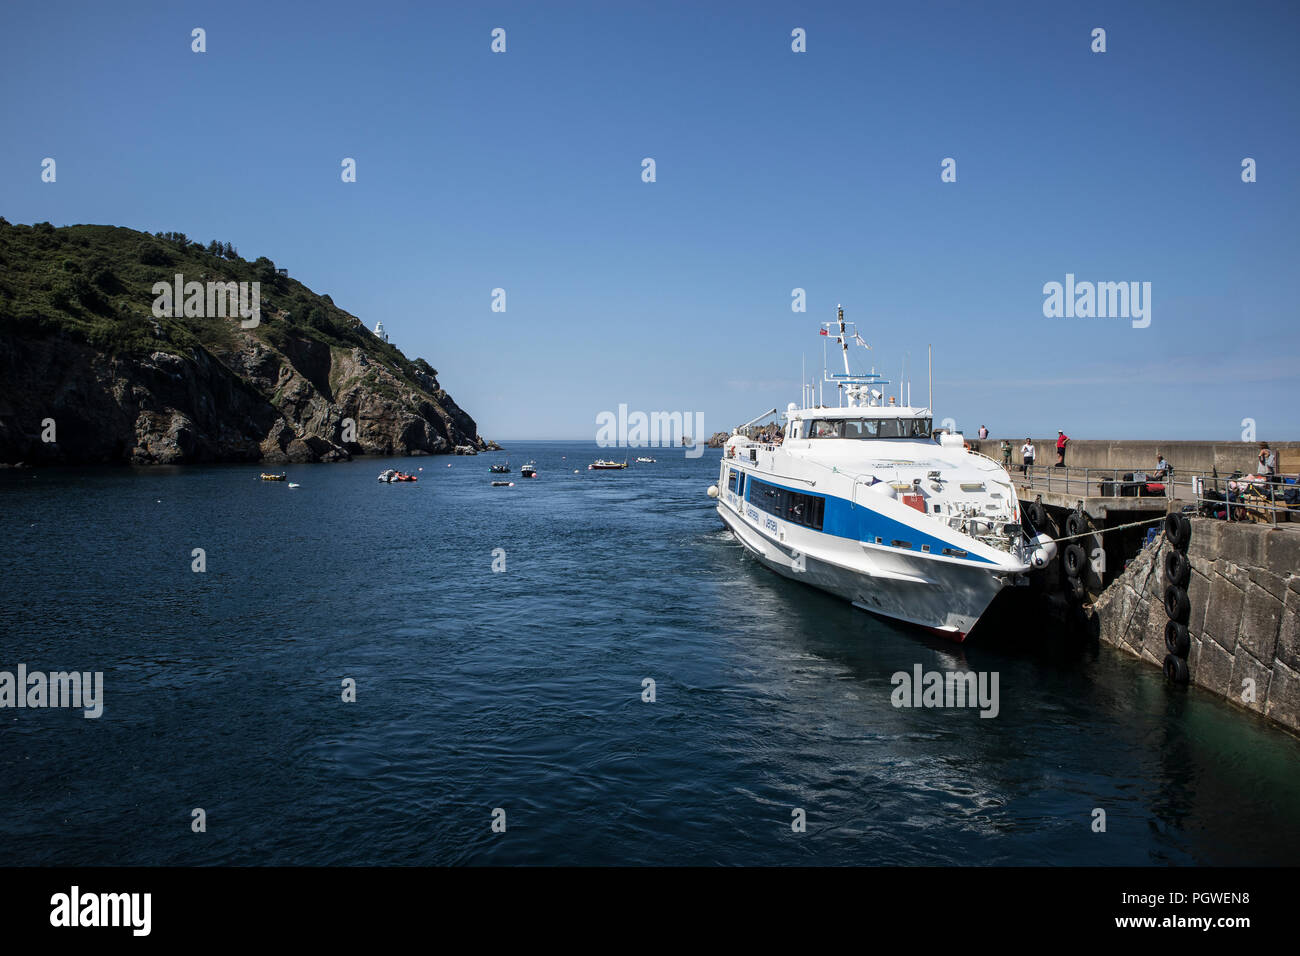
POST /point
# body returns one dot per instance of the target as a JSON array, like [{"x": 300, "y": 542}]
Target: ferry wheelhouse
[{"x": 866, "y": 501}]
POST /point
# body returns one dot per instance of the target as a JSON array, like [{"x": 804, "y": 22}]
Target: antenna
[
  {"x": 844, "y": 339},
  {"x": 929, "y": 361}
]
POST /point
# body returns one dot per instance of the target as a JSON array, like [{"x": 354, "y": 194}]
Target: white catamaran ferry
[{"x": 865, "y": 501}]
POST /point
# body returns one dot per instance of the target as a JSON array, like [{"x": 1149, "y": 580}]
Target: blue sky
[{"x": 775, "y": 170}]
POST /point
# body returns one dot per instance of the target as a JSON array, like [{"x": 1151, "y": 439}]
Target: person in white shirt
[
  {"x": 984, "y": 432},
  {"x": 1027, "y": 451}
]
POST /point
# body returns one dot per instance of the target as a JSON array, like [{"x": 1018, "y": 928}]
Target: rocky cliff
[{"x": 88, "y": 372}]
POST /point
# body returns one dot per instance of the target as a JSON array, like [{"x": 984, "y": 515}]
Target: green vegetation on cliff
[{"x": 95, "y": 284}]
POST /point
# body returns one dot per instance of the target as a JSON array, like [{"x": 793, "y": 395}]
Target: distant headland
[{"x": 100, "y": 362}]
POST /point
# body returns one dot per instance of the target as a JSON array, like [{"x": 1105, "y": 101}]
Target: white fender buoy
[
  {"x": 713, "y": 491},
  {"x": 1045, "y": 552}
]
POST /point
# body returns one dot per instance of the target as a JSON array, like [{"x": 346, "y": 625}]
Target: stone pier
[{"x": 1244, "y": 622}]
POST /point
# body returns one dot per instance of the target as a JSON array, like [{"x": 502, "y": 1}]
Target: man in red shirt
[{"x": 1061, "y": 439}]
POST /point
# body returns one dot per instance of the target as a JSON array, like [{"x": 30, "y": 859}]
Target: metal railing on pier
[
  {"x": 1247, "y": 498},
  {"x": 1130, "y": 482}
]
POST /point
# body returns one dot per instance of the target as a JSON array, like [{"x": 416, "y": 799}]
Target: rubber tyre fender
[
  {"x": 1076, "y": 523},
  {"x": 1037, "y": 516},
  {"x": 1073, "y": 559},
  {"x": 1176, "y": 604},
  {"x": 1178, "y": 570},
  {"x": 1178, "y": 530},
  {"x": 1177, "y": 641},
  {"x": 1175, "y": 669}
]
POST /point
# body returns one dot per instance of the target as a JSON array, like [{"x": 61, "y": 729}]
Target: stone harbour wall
[{"x": 1244, "y": 618}]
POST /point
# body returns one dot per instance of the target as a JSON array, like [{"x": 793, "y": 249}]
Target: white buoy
[
  {"x": 1045, "y": 553},
  {"x": 713, "y": 491}
]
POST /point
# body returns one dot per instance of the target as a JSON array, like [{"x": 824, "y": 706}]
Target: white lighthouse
[{"x": 380, "y": 333}]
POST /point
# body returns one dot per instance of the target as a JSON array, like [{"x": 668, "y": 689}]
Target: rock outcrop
[{"x": 89, "y": 380}]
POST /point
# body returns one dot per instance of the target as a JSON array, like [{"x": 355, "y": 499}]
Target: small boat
[
  {"x": 279, "y": 477},
  {"x": 602, "y": 465},
  {"x": 294, "y": 484},
  {"x": 500, "y": 469},
  {"x": 646, "y": 461},
  {"x": 402, "y": 476},
  {"x": 503, "y": 484},
  {"x": 529, "y": 470},
  {"x": 387, "y": 475}
]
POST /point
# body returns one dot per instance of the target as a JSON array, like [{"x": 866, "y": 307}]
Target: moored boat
[
  {"x": 601, "y": 464},
  {"x": 500, "y": 469},
  {"x": 529, "y": 470},
  {"x": 280, "y": 477},
  {"x": 866, "y": 502}
]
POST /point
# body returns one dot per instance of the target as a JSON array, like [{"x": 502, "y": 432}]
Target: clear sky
[{"x": 775, "y": 170}]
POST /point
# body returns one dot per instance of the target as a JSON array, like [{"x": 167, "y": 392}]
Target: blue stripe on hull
[{"x": 844, "y": 519}]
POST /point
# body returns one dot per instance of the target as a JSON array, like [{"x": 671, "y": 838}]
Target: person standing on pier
[
  {"x": 1006, "y": 454},
  {"x": 984, "y": 432},
  {"x": 1267, "y": 462},
  {"x": 1061, "y": 439},
  {"x": 1027, "y": 452}
]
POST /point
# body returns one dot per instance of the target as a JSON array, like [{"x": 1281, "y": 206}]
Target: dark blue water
[{"x": 522, "y": 690}]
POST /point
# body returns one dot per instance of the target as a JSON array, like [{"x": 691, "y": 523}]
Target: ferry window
[
  {"x": 793, "y": 506},
  {"x": 740, "y": 485},
  {"x": 860, "y": 428},
  {"x": 731, "y": 480},
  {"x": 825, "y": 429},
  {"x": 890, "y": 428},
  {"x": 920, "y": 427}
]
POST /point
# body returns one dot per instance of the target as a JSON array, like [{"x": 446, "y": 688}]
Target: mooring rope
[{"x": 1100, "y": 531}]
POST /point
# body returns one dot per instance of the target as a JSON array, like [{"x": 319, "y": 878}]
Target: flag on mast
[{"x": 860, "y": 340}]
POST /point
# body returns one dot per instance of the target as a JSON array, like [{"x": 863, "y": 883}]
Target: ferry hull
[{"x": 943, "y": 597}]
